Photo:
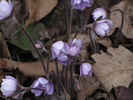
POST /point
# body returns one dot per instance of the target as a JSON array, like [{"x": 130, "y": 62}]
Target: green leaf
[{"x": 23, "y": 42}]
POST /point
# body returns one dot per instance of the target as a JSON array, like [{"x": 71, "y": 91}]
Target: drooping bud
[
  {"x": 78, "y": 86},
  {"x": 103, "y": 26}
]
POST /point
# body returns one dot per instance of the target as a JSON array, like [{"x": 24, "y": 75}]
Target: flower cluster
[
  {"x": 104, "y": 25},
  {"x": 81, "y": 4},
  {"x": 5, "y": 9},
  {"x": 62, "y": 52}
]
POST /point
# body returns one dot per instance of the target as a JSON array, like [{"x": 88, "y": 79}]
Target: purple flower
[
  {"x": 5, "y": 9},
  {"x": 85, "y": 69},
  {"x": 44, "y": 84},
  {"x": 75, "y": 47},
  {"x": 103, "y": 26},
  {"x": 60, "y": 50},
  {"x": 81, "y": 4},
  {"x": 98, "y": 13},
  {"x": 8, "y": 86}
]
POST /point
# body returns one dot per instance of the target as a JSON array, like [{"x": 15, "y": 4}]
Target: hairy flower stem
[
  {"x": 14, "y": 19},
  {"x": 57, "y": 72},
  {"x": 70, "y": 23},
  {"x": 66, "y": 78},
  {"x": 77, "y": 17},
  {"x": 48, "y": 64},
  {"x": 119, "y": 34},
  {"x": 55, "y": 96},
  {"x": 94, "y": 45},
  {"x": 53, "y": 74},
  {"x": 62, "y": 72},
  {"x": 49, "y": 97},
  {"x": 72, "y": 80},
  {"x": 86, "y": 26},
  {"x": 107, "y": 9},
  {"x": 89, "y": 14},
  {"x": 66, "y": 75}
]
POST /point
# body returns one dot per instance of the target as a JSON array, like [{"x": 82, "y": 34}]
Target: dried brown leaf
[
  {"x": 106, "y": 41},
  {"x": 3, "y": 47},
  {"x": 2, "y": 75},
  {"x": 126, "y": 6},
  {"x": 31, "y": 68},
  {"x": 89, "y": 85},
  {"x": 114, "y": 68},
  {"x": 3, "y": 64},
  {"x": 39, "y": 9}
]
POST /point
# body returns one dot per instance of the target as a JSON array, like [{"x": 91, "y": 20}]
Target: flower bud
[
  {"x": 5, "y": 9},
  {"x": 60, "y": 50},
  {"x": 103, "y": 26},
  {"x": 11, "y": 87},
  {"x": 85, "y": 69},
  {"x": 75, "y": 47},
  {"x": 78, "y": 85},
  {"x": 81, "y": 4},
  {"x": 99, "y": 12},
  {"x": 8, "y": 86},
  {"x": 44, "y": 84},
  {"x": 38, "y": 46}
]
